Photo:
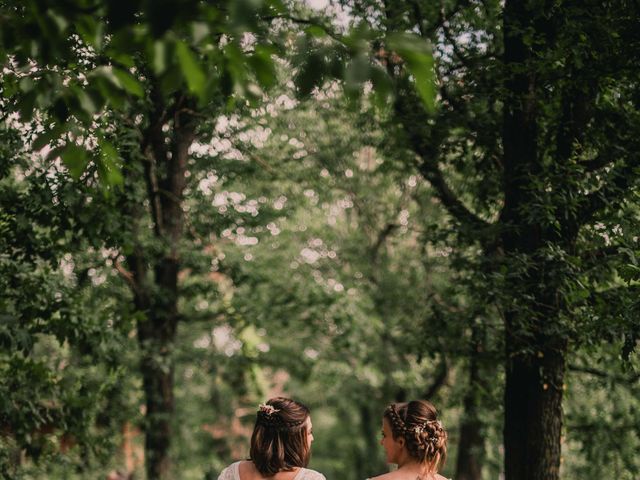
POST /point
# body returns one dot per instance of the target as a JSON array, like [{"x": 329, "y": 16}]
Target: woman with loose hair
[
  {"x": 280, "y": 445},
  {"x": 415, "y": 440}
]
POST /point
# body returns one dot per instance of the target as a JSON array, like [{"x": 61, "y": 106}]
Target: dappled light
[{"x": 349, "y": 203}]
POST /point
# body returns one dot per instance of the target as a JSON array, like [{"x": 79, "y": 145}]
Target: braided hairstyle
[
  {"x": 425, "y": 438},
  {"x": 279, "y": 440}
]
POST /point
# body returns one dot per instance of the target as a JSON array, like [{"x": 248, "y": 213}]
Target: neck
[
  {"x": 412, "y": 466},
  {"x": 409, "y": 463}
]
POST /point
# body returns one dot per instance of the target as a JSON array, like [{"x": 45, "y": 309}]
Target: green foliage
[
  {"x": 419, "y": 59},
  {"x": 315, "y": 259},
  {"x": 64, "y": 373},
  {"x": 602, "y": 399}
]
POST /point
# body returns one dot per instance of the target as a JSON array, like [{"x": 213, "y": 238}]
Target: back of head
[
  {"x": 425, "y": 438},
  {"x": 279, "y": 441}
]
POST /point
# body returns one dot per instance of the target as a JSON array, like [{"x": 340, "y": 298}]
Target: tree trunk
[
  {"x": 157, "y": 373},
  {"x": 156, "y": 333},
  {"x": 533, "y": 411},
  {"x": 157, "y": 296},
  {"x": 471, "y": 443},
  {"x": 369, "y": 430},
  {"x": 535, "y": 353}
]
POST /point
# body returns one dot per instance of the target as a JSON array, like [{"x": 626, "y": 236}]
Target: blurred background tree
[{"x": 207, "y": 205}]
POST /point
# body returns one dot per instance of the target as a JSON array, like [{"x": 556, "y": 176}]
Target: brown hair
[
  {"x": 279, "y": 440},
  {"x": 417, "y": 422}
]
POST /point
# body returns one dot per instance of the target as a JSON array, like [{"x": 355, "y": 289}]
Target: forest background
[{"x": 205, "y": 204}]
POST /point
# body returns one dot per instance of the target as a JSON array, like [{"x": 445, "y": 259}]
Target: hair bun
[{"x": 417, "y": 423}]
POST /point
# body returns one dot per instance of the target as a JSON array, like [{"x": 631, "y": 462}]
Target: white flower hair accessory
[
  {"x": 267, "y": 409},
  {"x": 422, "y": 427}
]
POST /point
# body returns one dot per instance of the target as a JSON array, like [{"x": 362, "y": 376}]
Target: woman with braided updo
[
  {"x": 414, "y": 439},
  {"x": 280, "y": 445}
]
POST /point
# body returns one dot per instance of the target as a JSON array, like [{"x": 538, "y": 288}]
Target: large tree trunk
[
  {"x": 156, "y": 295},
  {"x": 156, "y": 337},
  {"x": 156, "y": 334},
  {"x": 535, "y": 353},
  {"x": 533, "y": 411}
]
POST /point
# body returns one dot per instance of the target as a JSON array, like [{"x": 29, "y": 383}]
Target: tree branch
[
  {"x": 173, "y": 185},
  {"x": 440, "y": 380},
  {"x": 425, "y": 142},
  {"x": 126, "y": 274},
  {"x": 432, "y": 173},
  {"x": 605, "y": 374},
  {"x": 382, "y": 237},
  {"x": 155, "y": 153}
]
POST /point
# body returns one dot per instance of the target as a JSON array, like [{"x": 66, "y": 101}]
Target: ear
[{"x": 401, "y": 441}]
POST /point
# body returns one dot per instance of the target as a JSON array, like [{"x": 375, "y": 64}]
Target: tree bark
[
  {"x": 156, "y": 335},
  {"x": 155, "y": 279},
  {"x": 368, "y": 425},
  {"x": 531, "y": 222},
  {"x": 533, "y": 411},
  {"x": 535, "y": 353},
  {"x": 471, "y": 442}
]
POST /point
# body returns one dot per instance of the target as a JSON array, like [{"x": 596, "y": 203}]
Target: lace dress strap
[
  {"x": 230, "y": 472},
  {"x": 307, "y": 474}
]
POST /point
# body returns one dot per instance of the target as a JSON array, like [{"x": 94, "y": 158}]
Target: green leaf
[
  {"x": 191, "y": 70},
  {"x": 419, "y": 62},
  {"x": 86, "y": 102},
  {"x": 276, "y": 5},
  {"x": 235, "y": 63},
  {"x": 104, "y": 81},
  {"x": 107, "y": 73},
  {"x": 109, "y": 163},
  {"x": 47, "y": 137},
  {"x": 159, "y": 57},
  {"x": 91, "y": 31},
  {"x": 129, "y": 82},
  {"x": 112, "y": 83},
  {"x": 10, "y": 85},
  {"x": 26, "y": 105},
  {"x": 316, "y": 31},
  {"x": 60, "y": 22},
  {"x": 26, "y": 84},
  {"x": 357, "y": 73},
  {"x": 263, "y": 67},
  {"x": 382, "y": 87},
  {"x": 199, "y": 31},
  {"x": 75, "y": 158},
  {"x": 243, "y": 14}
]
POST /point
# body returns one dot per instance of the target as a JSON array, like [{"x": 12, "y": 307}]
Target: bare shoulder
[{"x": 246, "y": 468}]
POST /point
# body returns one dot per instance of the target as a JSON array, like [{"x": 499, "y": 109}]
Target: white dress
[{"x": 232, "y": 472}]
